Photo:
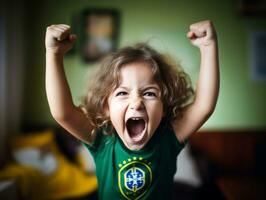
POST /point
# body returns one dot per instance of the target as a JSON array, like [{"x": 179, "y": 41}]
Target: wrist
[
  {"x": 211, "y": 46},
  {"x": 54, "y": 54}
]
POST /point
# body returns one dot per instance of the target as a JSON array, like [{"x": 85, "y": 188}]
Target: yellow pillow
[{"x": 60, "y": 178}]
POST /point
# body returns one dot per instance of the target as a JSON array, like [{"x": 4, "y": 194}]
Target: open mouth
[{"x": 135, "y": 128}]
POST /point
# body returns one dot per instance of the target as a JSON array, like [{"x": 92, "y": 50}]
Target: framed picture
[
  {"x": 99, "y": 33},
  {"x": 257, "y": 55},
  {"x": 251, "y": 7}
]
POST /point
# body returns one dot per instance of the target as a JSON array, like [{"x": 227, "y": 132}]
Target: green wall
[{"x": 164, "y": 23}]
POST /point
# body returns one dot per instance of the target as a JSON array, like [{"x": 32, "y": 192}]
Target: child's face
[{"x": 135, "y": 107}]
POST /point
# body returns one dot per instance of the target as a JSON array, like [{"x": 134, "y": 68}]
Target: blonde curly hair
[{"x": 174, "y": 83}]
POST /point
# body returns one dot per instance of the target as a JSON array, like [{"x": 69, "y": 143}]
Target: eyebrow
[{"x": 152, "y": 86}]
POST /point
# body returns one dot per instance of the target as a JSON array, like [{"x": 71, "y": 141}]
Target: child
[{"x": 136, "y": 116}]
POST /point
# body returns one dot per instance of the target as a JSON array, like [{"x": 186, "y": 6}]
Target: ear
[
  {"x": 106, "y": 111},
  {"x": 106, "y": 107}
]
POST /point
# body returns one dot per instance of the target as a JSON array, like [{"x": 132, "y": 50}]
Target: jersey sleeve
[
  {"x": 172, "y": 141},
  {"x": 99, "y": 142},
  {"x": 179, "y": 145}
]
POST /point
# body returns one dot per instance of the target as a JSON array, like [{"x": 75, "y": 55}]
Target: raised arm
[
  {"x": 58, "y": 41},
  {"x": 203, "y": 36}
]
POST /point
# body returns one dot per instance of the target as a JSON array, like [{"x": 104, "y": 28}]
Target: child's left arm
[{"x": 203, "y": 36}]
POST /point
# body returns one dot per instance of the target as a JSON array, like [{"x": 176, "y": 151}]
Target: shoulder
[
  {"x": 168, "y": 135},
  {"x": 103, "y": 138}
]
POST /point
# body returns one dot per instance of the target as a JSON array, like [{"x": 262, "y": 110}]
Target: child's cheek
[{"x": 117, "y": 113}]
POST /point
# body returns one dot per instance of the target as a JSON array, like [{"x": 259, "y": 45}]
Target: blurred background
[{"x": 227, "y": 156}]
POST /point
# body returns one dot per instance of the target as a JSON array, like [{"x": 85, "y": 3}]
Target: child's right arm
[{"x": 58, "y": 41}]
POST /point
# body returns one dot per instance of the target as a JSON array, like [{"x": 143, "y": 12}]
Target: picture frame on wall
[
  {"x": 255, "y": 8},
  {"x": 99, "y": 33},
  {"x": 257, "y": 55}
]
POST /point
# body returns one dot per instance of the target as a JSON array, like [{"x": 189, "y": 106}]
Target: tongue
[{"x": 135, "y": 127}]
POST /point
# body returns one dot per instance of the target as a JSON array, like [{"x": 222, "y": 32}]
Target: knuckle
[
  {"x": 67, "y": 29},
  {"x": 50, "y": 27},
  {"x": 209, "y": 22}
]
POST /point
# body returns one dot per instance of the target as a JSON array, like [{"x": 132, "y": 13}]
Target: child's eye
[
  {"x": 121, "y": 94},
  {"x": 150, "y": 94}
]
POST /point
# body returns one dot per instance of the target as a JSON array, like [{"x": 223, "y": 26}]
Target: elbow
[
  {"x": 206, "y": 109},
  {"x": 60, "y": 116},
  {"x": 61, "y": 113},
  {"x": 207, "y": 112}
]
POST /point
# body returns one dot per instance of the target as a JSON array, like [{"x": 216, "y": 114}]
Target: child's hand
[
  {"x": 202, "y": 34},
  {"x": 58, "y": 39}
]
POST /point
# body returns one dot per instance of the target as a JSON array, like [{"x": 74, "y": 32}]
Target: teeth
[{"x": 135, "y": 118}]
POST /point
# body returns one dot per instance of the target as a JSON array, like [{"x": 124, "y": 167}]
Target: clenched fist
[
  {"x": 202, "y": 34},
  {"x": 59, "y": 39}
]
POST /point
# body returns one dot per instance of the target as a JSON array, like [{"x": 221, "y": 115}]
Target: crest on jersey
[{"x": 134, "y": 178}]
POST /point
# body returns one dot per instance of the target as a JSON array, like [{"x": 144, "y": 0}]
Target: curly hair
[{"x": 174, "y": 83}]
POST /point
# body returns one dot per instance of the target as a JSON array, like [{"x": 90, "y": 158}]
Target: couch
[{"x": 234, "y": 161}]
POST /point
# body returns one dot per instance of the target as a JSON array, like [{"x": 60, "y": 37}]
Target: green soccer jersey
[{"x": 143, "y": 174}]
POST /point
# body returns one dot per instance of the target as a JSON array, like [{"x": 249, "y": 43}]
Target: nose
[{"x": 136, "y": 103}]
